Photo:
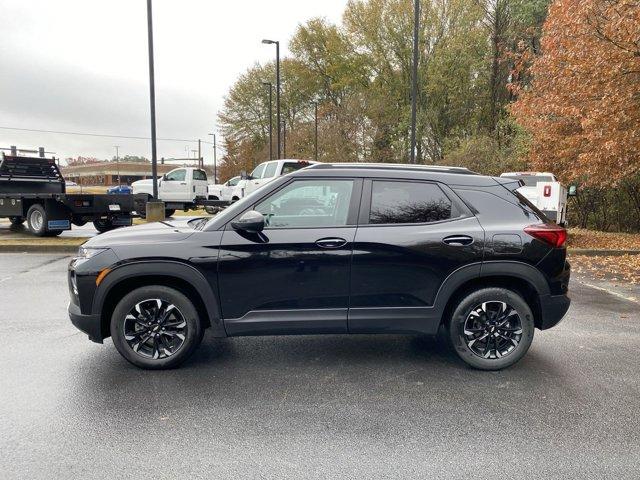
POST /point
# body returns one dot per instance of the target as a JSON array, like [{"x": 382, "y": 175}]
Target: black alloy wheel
[
  {"x": 493, "y": 329},
  {"x": 155, "y": 328}
]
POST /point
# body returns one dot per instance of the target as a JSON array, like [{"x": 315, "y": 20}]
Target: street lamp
[
  {"x": 215, "y": 159},
  {"x": 117, "y": 147},
  {"x": 315, "y": 143},
  {"x": 284, "y": 137},
  {"x": 277, "y": 44},
  {"x": 270, "y": 85},
  {"x": 414, "y": 78},
  {"x": 152, "y": 101}
]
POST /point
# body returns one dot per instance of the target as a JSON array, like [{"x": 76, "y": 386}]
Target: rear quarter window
[{"x": 491, "y": 205}]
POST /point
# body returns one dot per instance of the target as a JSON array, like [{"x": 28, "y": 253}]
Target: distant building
[{"x": 106, "y": 173}]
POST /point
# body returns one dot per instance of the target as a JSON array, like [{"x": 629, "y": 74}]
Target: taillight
[
  {"x": 547, "y": 191},
  {"x": 550, "y": 234}
]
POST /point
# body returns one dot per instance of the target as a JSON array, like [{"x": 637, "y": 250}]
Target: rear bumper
[
  {"x": 89, "y": 324},
  {"x": 553, "y": 309}
]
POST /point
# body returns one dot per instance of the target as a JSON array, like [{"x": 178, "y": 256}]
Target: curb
[
  {"x": 38, "y": 248},
  {"x": 601, "y": 253}
]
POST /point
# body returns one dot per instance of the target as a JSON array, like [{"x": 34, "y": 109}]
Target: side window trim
[{"x": 365, "y": 210}]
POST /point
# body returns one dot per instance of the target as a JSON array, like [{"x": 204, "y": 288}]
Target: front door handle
[
  {"x": 333, "y": 242},
  {"x": 458, "y": 240}
]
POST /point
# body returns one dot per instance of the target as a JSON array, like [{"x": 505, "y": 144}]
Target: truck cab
[
  {"x": 182, "y": 185},
  {"x": 267, "y": 172}
]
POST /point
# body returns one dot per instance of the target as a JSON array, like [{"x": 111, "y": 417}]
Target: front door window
[{"x": 308, "y": 204}]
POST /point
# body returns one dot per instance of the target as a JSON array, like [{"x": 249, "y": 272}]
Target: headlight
[{"x": 89, "y": 252}]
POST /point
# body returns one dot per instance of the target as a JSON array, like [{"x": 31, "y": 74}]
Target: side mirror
[
  {"x": 251, "y": 221},
  {"x": 244, "y": 175},
  {"x": 573, "y": 190}
]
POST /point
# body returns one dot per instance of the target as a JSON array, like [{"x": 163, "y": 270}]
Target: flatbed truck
[{"x": 33, "y": 190}]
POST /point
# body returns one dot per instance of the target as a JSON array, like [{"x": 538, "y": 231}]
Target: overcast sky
[{"x": 81, "y": 65}]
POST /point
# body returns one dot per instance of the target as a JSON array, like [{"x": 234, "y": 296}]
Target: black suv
[{"x": 341, "y": 248}]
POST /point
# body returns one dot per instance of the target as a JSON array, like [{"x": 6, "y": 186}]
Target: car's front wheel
[
  {"x": 491, "y": 328},
  {"x": 156, "y": 327}
]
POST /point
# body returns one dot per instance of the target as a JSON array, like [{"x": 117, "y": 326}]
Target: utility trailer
[{"x": 32, "y": 189}]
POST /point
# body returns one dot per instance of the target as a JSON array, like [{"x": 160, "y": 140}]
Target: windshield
[{"x": 530, "y": 180}]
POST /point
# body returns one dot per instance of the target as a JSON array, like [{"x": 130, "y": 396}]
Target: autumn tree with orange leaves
[{"x": 583, "y": 107}]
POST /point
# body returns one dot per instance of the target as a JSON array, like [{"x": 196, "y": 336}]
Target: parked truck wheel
[
  {"x": 103, "y": 225},
  {"x": 16, "y": 220},
  {"x": 37, "y": 220},
  {"x": 169, "y": 212},
  {"x": 79, "y": 222}
]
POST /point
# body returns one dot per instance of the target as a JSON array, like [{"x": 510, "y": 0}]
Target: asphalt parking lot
[{"x": 313, "y": 407}]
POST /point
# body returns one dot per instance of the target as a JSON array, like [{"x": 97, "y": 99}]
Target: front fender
[{"x": 164, "y": 268}]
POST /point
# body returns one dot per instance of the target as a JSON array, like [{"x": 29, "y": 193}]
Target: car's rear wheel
[
  {"x": 169, "y": 212},
  {"x": 156, "y": 327},
  {"x": 491, "y": 328}
]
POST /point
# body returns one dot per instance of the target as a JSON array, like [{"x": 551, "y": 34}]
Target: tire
[
  {"x": 37, "y": 220},
  {"x": 126, "y": 336},
  {"x": 169, "y": 212},
  {"x": 480, "y": 315},
  {"x": 78, "y": 222},
  {"x": 103, "y": 225},
  {"x": 16, "y": 220}
]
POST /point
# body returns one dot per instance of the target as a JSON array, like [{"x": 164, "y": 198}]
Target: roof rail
[{"x": 395, "y": 166}]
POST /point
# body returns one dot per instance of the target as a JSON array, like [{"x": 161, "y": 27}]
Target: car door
[
  {"x": 174, "y": 186},
  {"x": 411, "y": 236},
  {"x": 293, "y": 277}
]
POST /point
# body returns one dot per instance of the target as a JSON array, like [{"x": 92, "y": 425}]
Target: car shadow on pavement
[{"x": 252, "y": 371}]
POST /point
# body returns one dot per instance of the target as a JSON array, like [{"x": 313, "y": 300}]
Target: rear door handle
[
  {"x": 458, "y": 240},
  {"x": 333, "y": 242}
]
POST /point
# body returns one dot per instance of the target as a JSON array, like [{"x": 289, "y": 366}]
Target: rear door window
[
  {"x": 270, "y": 170},
  {"x": 289, "y": 167},
  {"x": 408, "y": 202},
  {"x": 199, "y": 175}
]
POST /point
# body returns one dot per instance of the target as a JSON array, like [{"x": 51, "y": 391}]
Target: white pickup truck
[
  {"x": 264, "y": 173},
  {"x": 180, "y": 189},
  {"x": 225, "y": 191},
  {"x": 545, "y": 192}
]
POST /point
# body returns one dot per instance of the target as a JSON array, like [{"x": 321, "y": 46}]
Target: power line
[{"x": 105, "y": 135}]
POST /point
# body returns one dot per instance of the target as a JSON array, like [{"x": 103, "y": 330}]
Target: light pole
[
  {"x": 215, "y": 159},
  {"x": 152, "y": 101},
  {"x": 284, "y": 137},
  {"x": 270, "y": 85},
  {"x": 277, "y": 44},
  {"x": 315, "y": 143},
  {"x": 414, "y": 78},
  {"x": 117, "y": 147}
]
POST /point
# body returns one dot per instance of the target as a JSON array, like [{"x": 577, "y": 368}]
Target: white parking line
[{"x": 615, "y": 294}]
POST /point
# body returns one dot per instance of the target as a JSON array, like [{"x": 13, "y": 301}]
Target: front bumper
[
  {"x": 553, "y": 309},
  {"x": 89, "y": 324}
]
